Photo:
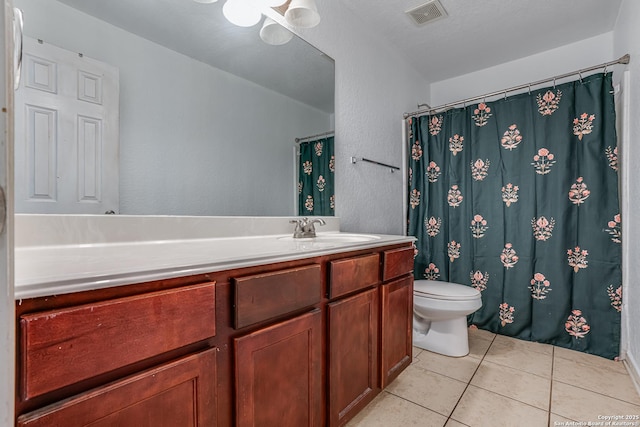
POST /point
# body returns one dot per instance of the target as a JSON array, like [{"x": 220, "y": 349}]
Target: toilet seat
[{"x": 444, "y": 290}]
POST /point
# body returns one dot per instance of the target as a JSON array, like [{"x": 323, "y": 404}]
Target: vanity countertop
[{"x": 42, "y": 270}]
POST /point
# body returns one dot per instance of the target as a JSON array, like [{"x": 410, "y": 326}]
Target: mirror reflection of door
[{"x": 67, "y": 135}]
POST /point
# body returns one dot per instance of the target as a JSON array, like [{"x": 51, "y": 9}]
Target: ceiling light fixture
[
  {"x": 302, "y": 14},
  {"x": 241, "y": 13},
  {"x": 274, "y": 33},
  {"x": 247, "y": 13}
]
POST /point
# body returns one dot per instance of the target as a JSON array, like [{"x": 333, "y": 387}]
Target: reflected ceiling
[{"x": 200, "y": 31}]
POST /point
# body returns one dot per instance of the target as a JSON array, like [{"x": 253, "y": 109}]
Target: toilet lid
[{"x": 444, "y": 290}]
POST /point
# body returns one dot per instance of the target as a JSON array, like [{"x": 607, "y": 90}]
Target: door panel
[
  {"x": 353, "y": 355},
  {"x": 396, "y": 326},
  {"x": 67, "y": 131},
  {"x": 278, "y": 374}
]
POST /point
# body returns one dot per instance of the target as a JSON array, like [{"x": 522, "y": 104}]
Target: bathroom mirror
[{"x": 207, "y": 112}]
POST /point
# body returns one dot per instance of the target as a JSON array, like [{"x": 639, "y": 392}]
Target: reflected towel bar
[{"x": 391, "y": 168}]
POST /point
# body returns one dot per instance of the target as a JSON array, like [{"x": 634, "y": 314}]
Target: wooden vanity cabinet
[{"x": 306, "y": 342}]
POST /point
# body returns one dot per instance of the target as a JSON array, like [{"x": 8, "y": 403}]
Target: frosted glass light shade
[
  {"x": 302, "y": 14},
  {"x": 274, "y": 33},
  {"x": 241, "y": 13}
]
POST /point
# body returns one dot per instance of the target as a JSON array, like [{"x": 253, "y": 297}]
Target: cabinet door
[
  {"x": 279, "y": 374},
  {"x": 396, "y": 324},
  {"x": 353, "y": 355},
  {"x": 179, "y": 393}
]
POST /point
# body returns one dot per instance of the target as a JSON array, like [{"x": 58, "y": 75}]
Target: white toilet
[{"x": 440, "y": 312}]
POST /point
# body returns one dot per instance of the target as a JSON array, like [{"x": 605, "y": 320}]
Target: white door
[
  {"x": 67, "y": 133},
  {"x": 7, "y": 301}
]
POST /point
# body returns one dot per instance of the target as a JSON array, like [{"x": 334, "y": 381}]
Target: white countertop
[{"x": 42, "y": 270}]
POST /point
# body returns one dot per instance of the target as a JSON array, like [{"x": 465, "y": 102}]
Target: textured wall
[
  {"x": 374, "y": 86},
  {"x": 194, "y": 140},
  {"x": 627, "y": 40},
  {"x": 532, "y": 68}
]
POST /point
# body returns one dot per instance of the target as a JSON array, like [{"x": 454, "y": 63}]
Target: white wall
[
  {"x": 626, "y": 39},
  {"x": 564, "y": 59},
  {"x": 374, "y": 86},
  {"x": 199, "y": 154}
]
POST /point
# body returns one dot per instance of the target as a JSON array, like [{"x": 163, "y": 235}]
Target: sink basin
[{"x": 333, "y": 238}]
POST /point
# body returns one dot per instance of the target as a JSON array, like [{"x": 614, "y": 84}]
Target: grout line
[
  {"x": 595, "y": 392},
  {"x": 470, "y": 379},
  {"x": 493, "y": 362},
  {"x": 509, "y": 397},
  {"x": 552, "y": 380},
  {"x": 415, "y": 403}
]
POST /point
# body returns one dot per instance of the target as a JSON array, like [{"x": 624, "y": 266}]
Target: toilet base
[{"x": 446, "y": 337}]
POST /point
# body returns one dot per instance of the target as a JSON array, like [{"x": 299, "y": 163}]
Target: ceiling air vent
[{"x": 428, "y": 12}]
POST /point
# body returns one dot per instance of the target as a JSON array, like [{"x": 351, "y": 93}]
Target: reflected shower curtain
[
  {"x": 519, "y": 199},
  {"x": 316, "y": 195}
]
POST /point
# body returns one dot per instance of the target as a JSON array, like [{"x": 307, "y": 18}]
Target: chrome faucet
[{"x": 305, "y": 227}]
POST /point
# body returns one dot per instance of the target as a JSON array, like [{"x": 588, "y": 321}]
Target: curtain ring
[
  {"x": 605, "y": 70},
  {"x": 505, "y": 95},
  {"x": 580, "y": 74},
  {"x": 529, "y": 88},
  {"x": 554, "y": 83}
]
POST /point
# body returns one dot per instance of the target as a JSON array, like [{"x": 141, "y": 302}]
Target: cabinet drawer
[
  {"x": 351, "y": 274},
  {"x": 397, "y": 262},
  {"x": 178, "y": 393},
  {"x": 261, "y": 297},
  {"x": 65, "y": 346}
]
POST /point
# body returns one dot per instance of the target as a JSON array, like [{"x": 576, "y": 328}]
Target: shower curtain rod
[
  {"x": 622, "y": 60},
  {"x": 299, "y": 140}
]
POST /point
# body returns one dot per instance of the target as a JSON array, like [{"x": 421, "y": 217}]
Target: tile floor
[{"x": 505, "y": 382}]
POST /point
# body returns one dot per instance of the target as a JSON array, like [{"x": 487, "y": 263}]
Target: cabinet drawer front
[
  {"x": 261, "y": 297},
  {"x": 351, "y": 274},
  {"x": 65, "y": 346},
  {"x": 179, "y": 393},
  {"x": 397, "y": 262}
]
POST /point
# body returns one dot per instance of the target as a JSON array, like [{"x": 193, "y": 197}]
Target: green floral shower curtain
[
  {"x": 519, "y": 199},
  {"x": 316, "y": 169}
]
